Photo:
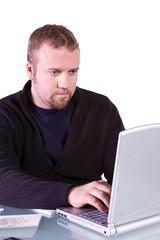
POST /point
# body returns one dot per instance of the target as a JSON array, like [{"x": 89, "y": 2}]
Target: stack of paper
[{"x": 16, "y": 221}]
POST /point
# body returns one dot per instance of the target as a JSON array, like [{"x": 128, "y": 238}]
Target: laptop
[{"x": 135, "y": 195}]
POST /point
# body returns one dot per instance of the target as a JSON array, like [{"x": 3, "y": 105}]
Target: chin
[{"x": 61, "y": 105}]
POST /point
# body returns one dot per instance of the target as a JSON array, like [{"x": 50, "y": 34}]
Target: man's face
[{"x": 55, "y": 76}]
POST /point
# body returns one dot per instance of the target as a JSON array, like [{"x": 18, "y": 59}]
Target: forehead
[{"x": 51, "y": 54}]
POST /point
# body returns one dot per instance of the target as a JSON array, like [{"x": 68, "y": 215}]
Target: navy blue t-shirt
[{"x": 54, "y": 126}]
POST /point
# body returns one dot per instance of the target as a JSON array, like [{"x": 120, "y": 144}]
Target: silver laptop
[{"x": 135, "y": 196}]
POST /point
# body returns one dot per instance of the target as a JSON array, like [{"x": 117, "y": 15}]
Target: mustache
[{"x": 62, "y": 92}]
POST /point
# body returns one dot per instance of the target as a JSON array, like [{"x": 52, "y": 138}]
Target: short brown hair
[{"x": 56, "y": 35}]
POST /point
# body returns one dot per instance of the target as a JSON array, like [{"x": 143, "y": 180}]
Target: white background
[{"x": 119, "y": 42}]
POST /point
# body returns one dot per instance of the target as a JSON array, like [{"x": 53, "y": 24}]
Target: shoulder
[
  {"x": 10, "y": 101},
  {"x": 9, "y": 108},
  {"x": 96, "y": 109},
  {"x": 90, "y": 95},
  {"x": 90, "y": 98},
  {"x": 16, "y": 100}
]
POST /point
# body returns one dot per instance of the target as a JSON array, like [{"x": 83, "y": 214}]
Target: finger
[
  {"x": 102, "y": 196},
  {"x": 104, "y": 183},
  {"x": 103, "y": 186},
  {"x": 93, "y": 201}
]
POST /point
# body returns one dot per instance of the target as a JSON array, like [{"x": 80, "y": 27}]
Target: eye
[
  {"x": 72, "y": 72},
  {"x": 54, "y": 73}
]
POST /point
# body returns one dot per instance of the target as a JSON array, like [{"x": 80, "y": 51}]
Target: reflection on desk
[{"x": 62, "y": 229}]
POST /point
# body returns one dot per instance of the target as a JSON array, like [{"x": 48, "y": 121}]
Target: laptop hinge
[
  {"x": 138, "y": 224},
  {"x": 111, "y": 230}
]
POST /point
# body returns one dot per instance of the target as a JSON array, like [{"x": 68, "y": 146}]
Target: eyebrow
[{"x": 58, "y": 69}]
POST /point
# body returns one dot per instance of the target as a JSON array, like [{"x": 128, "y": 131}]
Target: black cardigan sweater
[{"x": 26, "y": 181}]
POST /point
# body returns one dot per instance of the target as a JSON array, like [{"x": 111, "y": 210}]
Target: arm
[{"x": 19, "y": 189}]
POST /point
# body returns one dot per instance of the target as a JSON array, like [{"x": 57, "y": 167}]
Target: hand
[{"x": 96, "y": 194}]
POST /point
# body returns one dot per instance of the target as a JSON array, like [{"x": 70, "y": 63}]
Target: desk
[{"x": 58, "y": 228}]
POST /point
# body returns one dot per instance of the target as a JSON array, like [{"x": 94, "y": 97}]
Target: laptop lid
[{"x": 136, "y": 182}]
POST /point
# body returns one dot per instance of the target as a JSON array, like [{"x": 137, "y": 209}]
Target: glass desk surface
[{"x": 61, "y": 229}]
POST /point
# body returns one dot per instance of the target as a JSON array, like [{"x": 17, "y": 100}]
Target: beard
[{"x": 59, "y": 100}]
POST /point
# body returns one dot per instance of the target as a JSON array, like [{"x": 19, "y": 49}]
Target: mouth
[{"x": 62, "y": 94}]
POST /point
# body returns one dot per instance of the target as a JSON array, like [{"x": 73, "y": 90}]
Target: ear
[{"x": 29, "y": 69}]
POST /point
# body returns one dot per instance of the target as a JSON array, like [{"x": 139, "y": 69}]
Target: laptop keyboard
[{"x": 95, "y": 216}]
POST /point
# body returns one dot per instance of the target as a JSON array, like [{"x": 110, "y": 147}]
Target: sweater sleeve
[
  {"x": 114, "y": 128},
  {"x": 22, "y": 190}
]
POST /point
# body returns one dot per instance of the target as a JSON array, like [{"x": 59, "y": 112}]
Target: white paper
[{"x": 16, "y": 221}]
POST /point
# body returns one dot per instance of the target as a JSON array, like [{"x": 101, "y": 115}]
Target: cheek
[
  {"x": 47, "y": 84},
  {"x": 73, "y": 81},
  {"x": 72, "y": 89},
  {"x": 73, "y": 84},
  {"x": 50, "y": 88}
]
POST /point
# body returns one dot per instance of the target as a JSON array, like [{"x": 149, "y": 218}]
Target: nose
[{"x": 63, "y": 81}]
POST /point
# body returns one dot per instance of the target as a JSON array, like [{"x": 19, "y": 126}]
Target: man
[{"x": 56, "y": 139}]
